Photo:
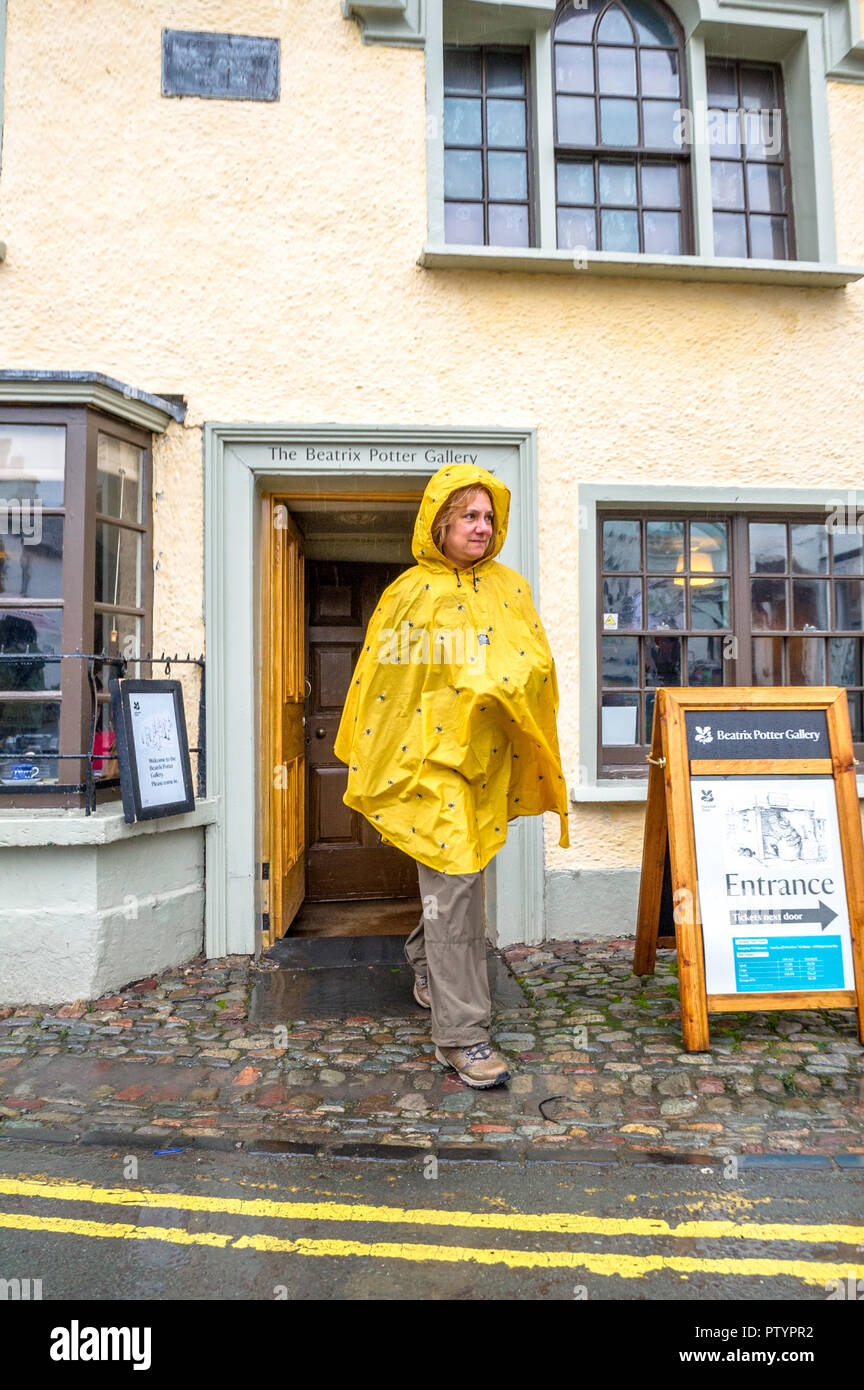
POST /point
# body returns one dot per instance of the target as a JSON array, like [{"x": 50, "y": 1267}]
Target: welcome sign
[{"x": 753, "y": 830}]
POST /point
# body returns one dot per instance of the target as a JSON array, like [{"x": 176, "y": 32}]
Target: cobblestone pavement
[{"x": 174, "y": 1061}]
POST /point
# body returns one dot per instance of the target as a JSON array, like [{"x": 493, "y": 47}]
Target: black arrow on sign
[{"x": 822, "y": 914}]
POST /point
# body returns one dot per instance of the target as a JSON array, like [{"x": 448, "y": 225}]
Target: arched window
[{"x": 622, "y": 177}]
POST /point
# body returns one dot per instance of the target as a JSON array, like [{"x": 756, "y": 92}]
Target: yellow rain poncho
[{"x": 449, "y": 727}]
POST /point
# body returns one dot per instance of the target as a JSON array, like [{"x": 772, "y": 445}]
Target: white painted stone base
[
  {"x": 582, "y": 904},
  {"x": 111, "y": 905}
]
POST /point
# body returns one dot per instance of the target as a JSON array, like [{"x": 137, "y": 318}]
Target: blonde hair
[{"x": 453, "y": 507}]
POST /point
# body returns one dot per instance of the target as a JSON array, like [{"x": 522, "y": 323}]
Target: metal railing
[{"x": 95, "y": 664}]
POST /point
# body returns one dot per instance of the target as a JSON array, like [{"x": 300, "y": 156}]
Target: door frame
[{"x": 241, "y": 461}]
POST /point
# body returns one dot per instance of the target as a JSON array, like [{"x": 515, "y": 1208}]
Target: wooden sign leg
[
  {"x": 682, "y": 855},
  {"x": 651, "y": 882}
]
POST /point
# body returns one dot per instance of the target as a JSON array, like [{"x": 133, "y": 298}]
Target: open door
[{"x": 283, "y": 733}]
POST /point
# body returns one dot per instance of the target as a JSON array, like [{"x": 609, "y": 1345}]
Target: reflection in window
[
  {"x": 621, "y": 169},
  {"x": 487, "y": 194}
]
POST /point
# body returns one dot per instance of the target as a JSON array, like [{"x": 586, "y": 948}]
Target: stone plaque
[{"x": 233, "y": 66}]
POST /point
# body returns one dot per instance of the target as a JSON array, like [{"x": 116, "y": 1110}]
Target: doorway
[{"x": 327, "y": 872}]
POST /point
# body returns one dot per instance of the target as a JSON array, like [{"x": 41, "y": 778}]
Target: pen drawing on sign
[
  {"x": 771, "y": 829},
  {"x": 156, "y": 732}
]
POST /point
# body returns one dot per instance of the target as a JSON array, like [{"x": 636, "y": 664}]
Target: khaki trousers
[{"x": 449, "y": 946}]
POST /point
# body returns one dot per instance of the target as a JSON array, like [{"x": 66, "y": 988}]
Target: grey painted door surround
[{"x": 240, "y": 461}]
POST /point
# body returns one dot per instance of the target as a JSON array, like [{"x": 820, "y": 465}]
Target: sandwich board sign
[{"x": 753, "y": 854}]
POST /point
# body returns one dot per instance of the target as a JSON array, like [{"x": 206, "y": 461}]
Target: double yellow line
[{"x": 626, "y": 1266}]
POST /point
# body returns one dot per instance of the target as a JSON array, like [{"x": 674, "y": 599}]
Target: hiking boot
[
  {"x": 477, "y": 1065},
  {"x": 421, "y": 991}
]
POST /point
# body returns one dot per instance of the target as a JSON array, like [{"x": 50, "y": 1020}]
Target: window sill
[
  {"x": 20, "y": 828},
  {"x": 811, "y": 274},
  {"x": 622, "y": 790}
]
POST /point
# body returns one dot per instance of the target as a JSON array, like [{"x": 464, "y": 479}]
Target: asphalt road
[{"x": 94, "y": 1224}]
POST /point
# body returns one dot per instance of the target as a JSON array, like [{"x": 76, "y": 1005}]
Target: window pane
[
  {"x": 127, "y": 643},
  {"x": 768, "y": 604},
  {"x": 660, "y": 124},
  {"x": 508, "y": 176},
  {"x": 32, "y": 461},
  {"x": 620, "y": 659},
  {"x": 576, "y": 229},
  {"x": 844, "y": 661},
  {"x": 575, "y": 182},
  {"x": 660, "y": 186},
  {"x": 765, "y": 188},
  {"x": 462, "y": 69},
  {"x": 809, "y": 549},
  {"x": 848, "y": 546},
  {"x": 763, "y": 134},
  {"x": 622, "y": 603},
  {"x": 855, "y": 716},
  {"x": 806, "y": 661},
  {"x": 576, "y": 124},
  {"x": 508, "y": 225},
  {"x": 722, "y": 84},
  {"x": 463, "y": 174},
  {"x": 809, "y": 603},
  {"x": 724, "y": 133},
  {"x": 619, "y": 719},
  {"x": 709, "y": 603},
  {"x": 616, "y": 71},
  {"x": 463, "y": 223},
  {"x": 663, "y": 233},
  {"x": 462, "y": 124},
  {"x": 727, "y": 184},
  {"x": 505, "y": 74},
  {"x": 664, "y": 545},
  {"x": 29, "y": 734},
  {"x": 614, "y": 28},
  {"x": 574, "y": 68},
  {"x": 30, "y": 630},
  {"x": 758, "y": 88},
  {"x": 118, "y": 566},
  {"x": 709, "y": 537},
  {"x": 104, "y": 742},
  {"x": 621, "y": 546},
  {"x": 577, "y": 21},
  {"x": 119, "y": 471},
  {"x": 659, "y": 73},
  {"x": 618, "y": 183},
  {"x": 768, "y": 238},
  {"x": 619, "y": 231},
  {"x": 662, "y": 660},
  {"x": 31, "y": 562},
  {"x": 847, "y": 604},
  {"x": 705, "y": 660},
  {"x": 505, "y": 122},
  {"x": 768, "y": 661},
  {"x": 730, "y": 234},
  {"x": 665, "y": 603},
  {"x": 651, "y": 27},
  {"x": 767, "y": 548},
  {"x": 618, "y": 123}
]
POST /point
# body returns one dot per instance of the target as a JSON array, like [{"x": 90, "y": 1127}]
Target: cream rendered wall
[{"x": 261, "y": 259}]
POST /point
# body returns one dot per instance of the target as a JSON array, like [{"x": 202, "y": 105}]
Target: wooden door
[
  {"x": 343, "y": 854},
  {"x": 283, "y": 746}
]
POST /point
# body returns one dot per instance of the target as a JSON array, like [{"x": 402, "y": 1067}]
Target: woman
[{"x": 449, "y": 732}]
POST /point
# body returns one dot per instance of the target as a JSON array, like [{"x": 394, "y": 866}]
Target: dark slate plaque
[
  {"x": 234, "y": 66},
  {"x": 757, "y": 733}
]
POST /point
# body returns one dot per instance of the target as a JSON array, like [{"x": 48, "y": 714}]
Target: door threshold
[{"x": 357, "y": 917}]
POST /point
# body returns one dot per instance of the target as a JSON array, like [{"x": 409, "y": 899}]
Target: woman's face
[{"x": 469, "y": 532}]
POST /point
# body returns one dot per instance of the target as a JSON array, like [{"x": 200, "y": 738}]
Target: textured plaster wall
[{"x": 261, "y": 259}]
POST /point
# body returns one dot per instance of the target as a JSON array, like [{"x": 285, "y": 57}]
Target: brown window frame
[
  {"x": 83, "y": 426},
  {"x": 637, "y": 155},
  {"x": 741, "y": 158},
  {"x": 628, "y": 761},
  {"x": 484, "y": 147}
]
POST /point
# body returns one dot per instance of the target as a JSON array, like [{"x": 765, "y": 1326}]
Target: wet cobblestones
[{"x": 598, "y": 1047}]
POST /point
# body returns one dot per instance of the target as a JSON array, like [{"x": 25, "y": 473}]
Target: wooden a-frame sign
[{"x": 755, "y": 863}]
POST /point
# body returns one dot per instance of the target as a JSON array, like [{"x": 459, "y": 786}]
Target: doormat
[{"x": 337, "y": 976}]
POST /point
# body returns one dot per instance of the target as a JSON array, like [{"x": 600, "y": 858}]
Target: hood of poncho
[{"x": 449, "y": 725}]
